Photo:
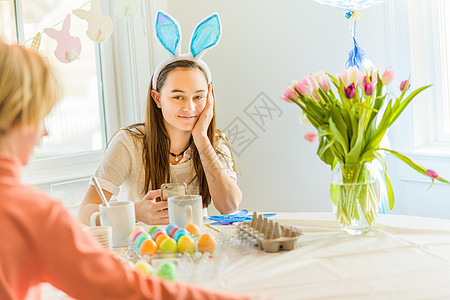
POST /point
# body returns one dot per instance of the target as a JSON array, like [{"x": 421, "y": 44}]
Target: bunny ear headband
[{"x": 206, "y": 35}]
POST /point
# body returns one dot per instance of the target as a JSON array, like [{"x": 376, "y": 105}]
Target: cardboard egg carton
[{"x": 270, "y": 235}]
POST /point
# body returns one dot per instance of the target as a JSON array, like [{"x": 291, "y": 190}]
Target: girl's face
[{"x": 182, "y": 98}]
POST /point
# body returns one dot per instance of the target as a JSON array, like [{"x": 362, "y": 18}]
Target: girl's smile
[{"x": 182, "y": 98}]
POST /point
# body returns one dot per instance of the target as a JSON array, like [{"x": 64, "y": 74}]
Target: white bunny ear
[
  {"x": 206, "y": 35},
  {"x": 168, "y": 32}
]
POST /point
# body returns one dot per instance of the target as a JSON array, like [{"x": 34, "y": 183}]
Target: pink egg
[{"x": 172, "y": 232}]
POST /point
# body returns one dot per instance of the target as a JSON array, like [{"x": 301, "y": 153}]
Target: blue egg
[
  {"x": 141, "y": 239},
  {"x": 170, "y": 227},
  {"x": 156, "y": 231},
  {"x": 180, "y": 233}
]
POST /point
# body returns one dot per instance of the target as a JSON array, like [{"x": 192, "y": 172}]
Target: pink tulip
[
  {"x": 432, "y": 174},
  {"x": 323, "y": 81},
  {"x": 350, "y": 91},
  {"x": 403, "y": 85},
  {"x": 313, "y": 82},
  {"x": 368, "y": 86},
  {"x": 316, "y": 96},
  {"x": 388, "y": 76},
  {"x": 304, "y": 87},
  {"x": 311, "y": 136},
  {"x": 289, "y": 95},
  {"x": 344, "y": 77}
]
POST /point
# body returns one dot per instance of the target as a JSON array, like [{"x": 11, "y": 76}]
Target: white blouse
[{"x": 121, "y": 170}]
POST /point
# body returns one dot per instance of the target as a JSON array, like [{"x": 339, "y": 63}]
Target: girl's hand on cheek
[
  {"x": 149, "y": 211},
  {"x": 203, "y": 121}
]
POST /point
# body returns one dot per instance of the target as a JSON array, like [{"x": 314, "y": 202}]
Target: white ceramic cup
[
  {"x": 121, "y": 217},
  {"x": 185, "y": 209}
]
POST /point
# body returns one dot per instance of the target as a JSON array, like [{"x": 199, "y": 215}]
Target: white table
[{"x": 403, "y": 257}]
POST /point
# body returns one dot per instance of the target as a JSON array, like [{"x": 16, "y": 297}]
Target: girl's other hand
[
  {"x": 203, "y": 121},
  {"x": 151, "y": 212}
]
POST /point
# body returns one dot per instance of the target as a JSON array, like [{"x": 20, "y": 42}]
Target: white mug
[
  {"x": 185, "y": 209},
  {"x": 121, "y": 217}
]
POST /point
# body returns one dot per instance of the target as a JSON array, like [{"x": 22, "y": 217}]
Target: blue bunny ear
[
  {"x": 206, "y": 35},
  {"x": 168, "y": 32}
]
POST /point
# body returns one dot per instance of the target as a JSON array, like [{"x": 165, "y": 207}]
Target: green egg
[
  {"x": 153, "y": 228},
  {"x": 167, "y": 271}
]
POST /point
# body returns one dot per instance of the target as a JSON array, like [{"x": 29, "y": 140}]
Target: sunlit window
[{"x": 76, "y": 123}]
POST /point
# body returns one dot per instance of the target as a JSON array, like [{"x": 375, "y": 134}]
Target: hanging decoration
[
  {"x": 357, "y": 56},
  {"x": 124, "y": 9},
  {"x": 36, "y": 43},
  {"x": 68, "y": 47},
  {"x": 100, "y": 27}
]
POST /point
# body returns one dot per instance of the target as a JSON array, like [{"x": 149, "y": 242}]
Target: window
[
  {"x": 82, "y": 122},
  {"x": 75, "y": 124},
  {"x": 429, "y": 34}
]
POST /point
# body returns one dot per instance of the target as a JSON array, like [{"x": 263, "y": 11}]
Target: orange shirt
[{"x": 41, "y": 242}]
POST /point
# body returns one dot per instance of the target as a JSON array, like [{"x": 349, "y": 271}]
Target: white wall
[{"x": 266, "y": 44}]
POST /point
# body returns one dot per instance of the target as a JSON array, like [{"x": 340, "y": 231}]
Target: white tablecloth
[{"x": 403, "y": 257}]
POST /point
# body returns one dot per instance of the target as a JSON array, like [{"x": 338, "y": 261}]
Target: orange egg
[
  {"x": 206, "y": 243},
  {"x": 158, "y": 234},
  {"x": 160, "y": 239},
  {"x": 193, "y": 229},
  {"x": 148, "y": 247}
]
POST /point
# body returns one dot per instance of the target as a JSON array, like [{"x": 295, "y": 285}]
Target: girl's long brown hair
[{"x": 156, "y": 141}]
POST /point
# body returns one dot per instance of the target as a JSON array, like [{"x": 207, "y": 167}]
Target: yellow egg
[
  {"x": 168, "y": 246},
  {"x": 193, "y": 229},
  {"x": 186, "y": 245},
  {"x": 144, "y": 268},
  {"x": 206, "y": 243},
  {"x": 160, "y": 239}
]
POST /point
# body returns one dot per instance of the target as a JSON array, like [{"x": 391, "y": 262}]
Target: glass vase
[{"x": 355, "y": 196}]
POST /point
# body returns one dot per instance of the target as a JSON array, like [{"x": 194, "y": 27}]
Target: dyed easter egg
[
  {"x": 141, "y": 239},
  {"x": 158, "y": 234},
  {"x": 193, "y": 229},
  {"x": 160, "y": 239},
  {"x": 156, "y": 231},
  {"x": 144, "y": 268},
  {"x": 167, "y": 271},
  {"x": 180, "y": 233},
  {"x": 153, "y": 228},
  {"x": 186, "y": 245},
  {"x": 148, "y": 247},
  {"x": 170, "y": 227},
  {"x": 168, "y": 246},
  {"x": 206, "y": 243},
  {"x": 136, "y": 235},
  {"x": 173, "y": 230},
  {"x": 136, "y": 230}
]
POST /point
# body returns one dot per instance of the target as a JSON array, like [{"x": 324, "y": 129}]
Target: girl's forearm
[{"x": 225, "y": 192}]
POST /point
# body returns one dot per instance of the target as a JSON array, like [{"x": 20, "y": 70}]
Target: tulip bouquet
[{"x": 350, "y": 126}]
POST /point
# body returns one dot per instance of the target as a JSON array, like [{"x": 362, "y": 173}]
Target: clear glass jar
[{"x": 355, "y": 196}]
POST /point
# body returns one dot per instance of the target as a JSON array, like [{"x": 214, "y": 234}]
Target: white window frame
[
  {"x": 125, "y": 61},
  {"x": 413, "y": 51}
]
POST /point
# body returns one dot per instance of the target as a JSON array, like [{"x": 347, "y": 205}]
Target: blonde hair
[{"x": 28, "y": 87}]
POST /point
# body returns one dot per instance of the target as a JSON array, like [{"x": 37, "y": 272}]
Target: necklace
[{"x": 176, "y": 156}]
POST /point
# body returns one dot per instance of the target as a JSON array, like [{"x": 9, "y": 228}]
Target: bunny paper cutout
[
  {"x": 205, "y": 36},
  {"x": 125, "y": 8},
  {"x": 100, "y": 27},
  {"x": 68, "y": 48}
]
